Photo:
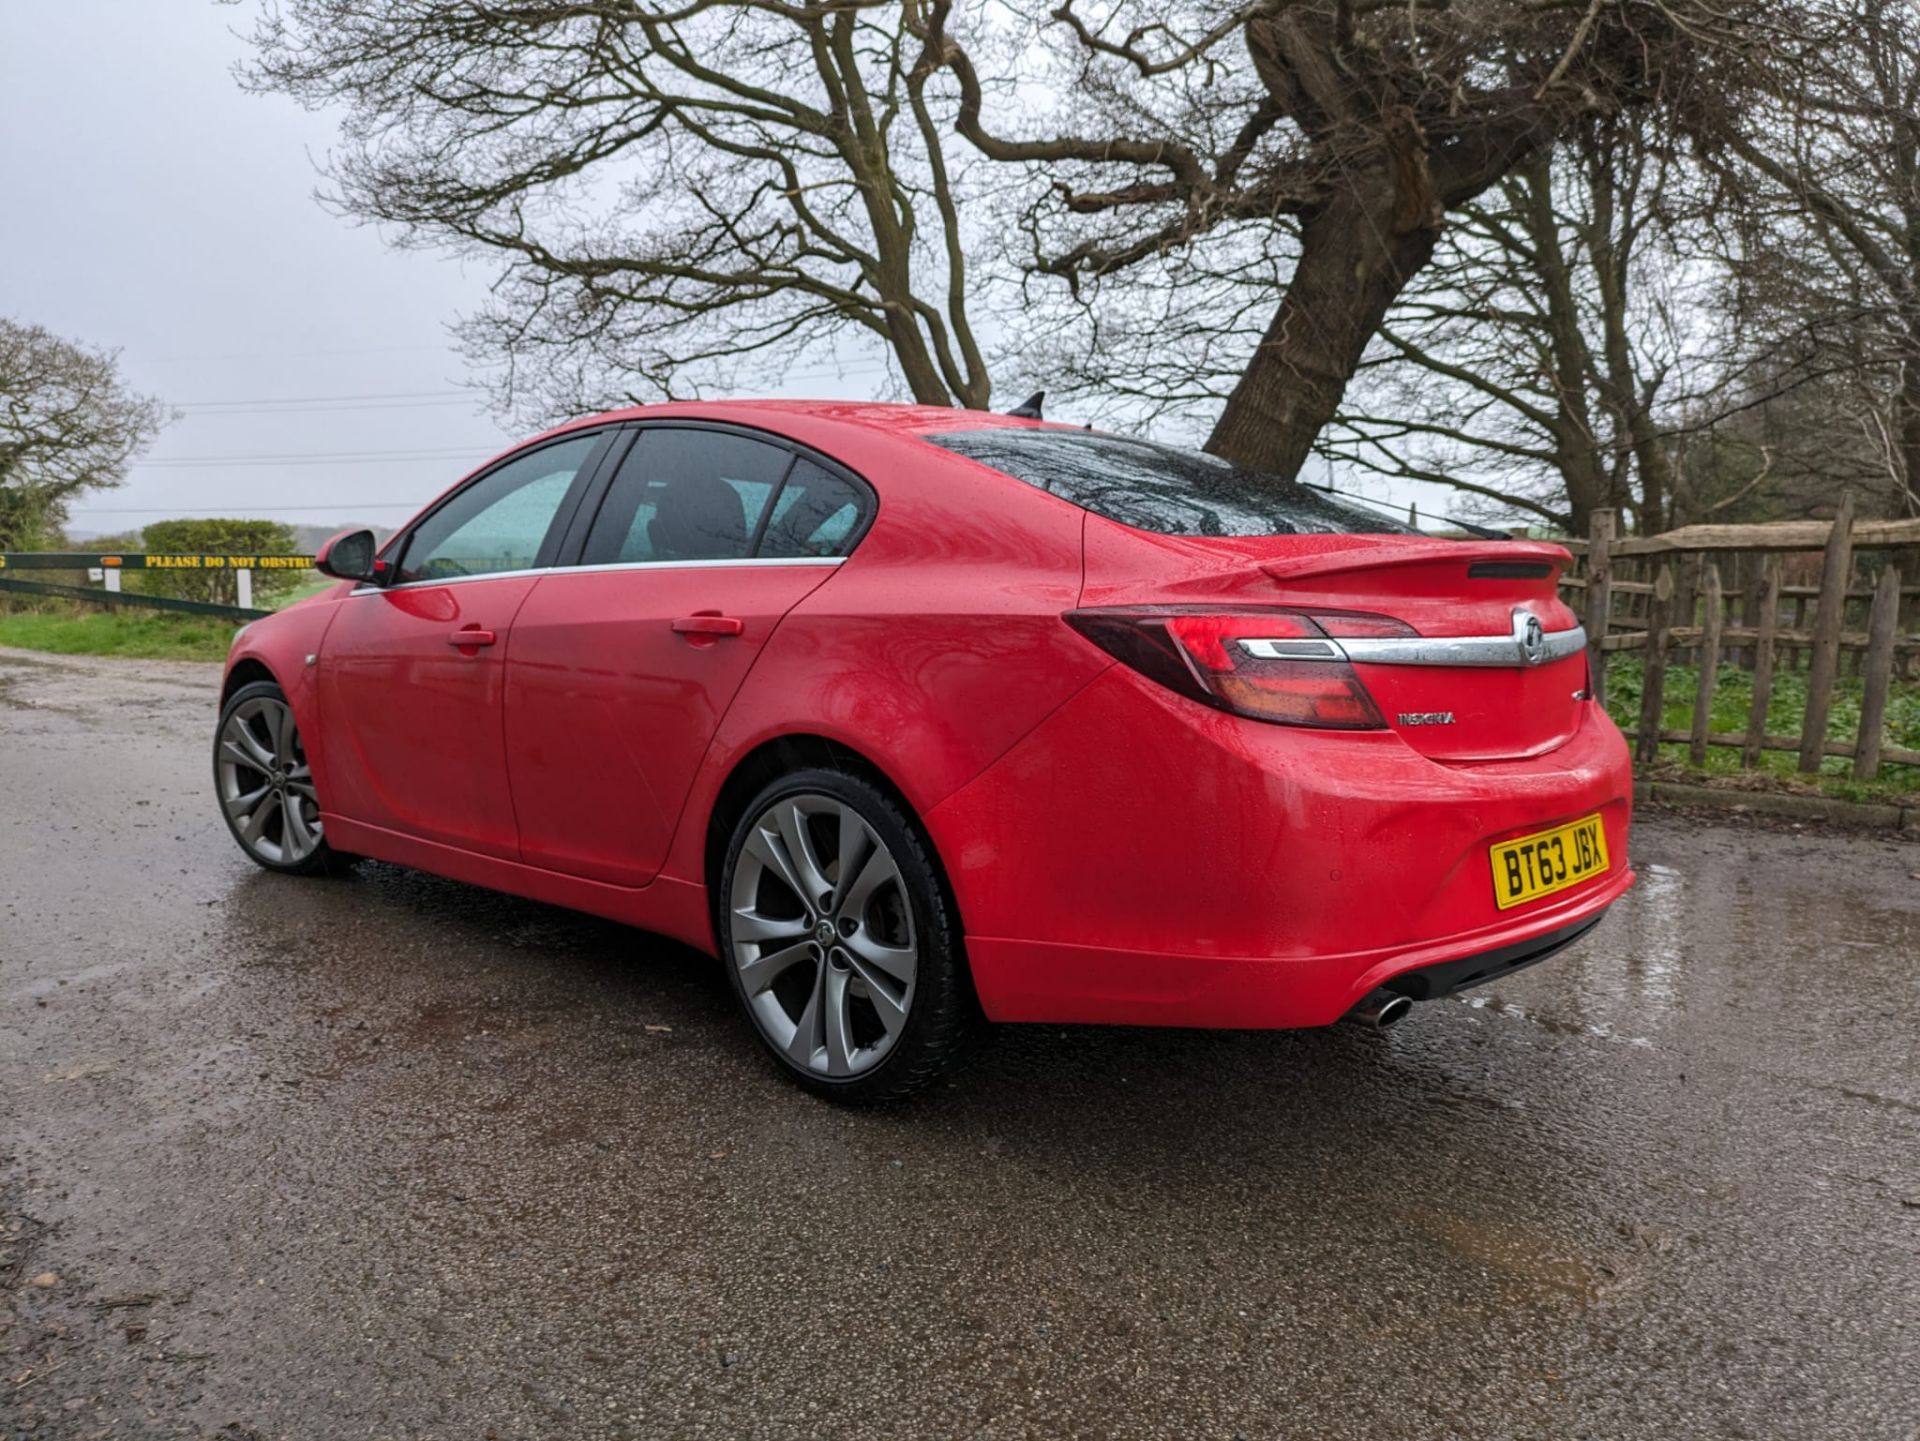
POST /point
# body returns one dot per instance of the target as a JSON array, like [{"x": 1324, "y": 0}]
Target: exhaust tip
[{"x": 1381, "y": 1010}]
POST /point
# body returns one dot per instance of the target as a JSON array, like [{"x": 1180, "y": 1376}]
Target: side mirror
[{"x": 348, "y": 556}]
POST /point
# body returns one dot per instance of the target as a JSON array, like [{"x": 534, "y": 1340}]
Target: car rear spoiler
[{"x": 1515, "y": 559}]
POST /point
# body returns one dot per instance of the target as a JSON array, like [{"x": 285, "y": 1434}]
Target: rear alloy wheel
[
  {"x": 265, "y": 785},
  {"x": 840, "y": 941}
]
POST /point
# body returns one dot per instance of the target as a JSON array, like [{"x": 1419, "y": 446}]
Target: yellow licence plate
[{"x": 1530, "y": 867}]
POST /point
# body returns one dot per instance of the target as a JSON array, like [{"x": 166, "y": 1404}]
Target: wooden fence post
[
  {"x": 1764, "y": 623},
  {"x": 1709, "y": 670},
  {"x": 1836, "y": 579},
  {"x": 1907, "y": 620},
  {"x": 1653, "y": 683},
  {"x": 1901, "y": 659},
  {"x": 1686, "y": 592},
  {"x": 1882, "y": 628},
  {"x": 1754, "y": 574},
  {"x": 1599, "y": 598}
]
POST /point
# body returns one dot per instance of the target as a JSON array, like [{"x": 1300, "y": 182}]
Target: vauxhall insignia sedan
[{"x": 919, "y": 719}]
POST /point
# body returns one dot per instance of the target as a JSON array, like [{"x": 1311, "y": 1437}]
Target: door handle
[
  {"x": 474, "y": 637},
  {"x": 709, "y": 623}
]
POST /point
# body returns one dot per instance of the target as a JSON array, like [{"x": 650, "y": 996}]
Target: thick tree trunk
[
  {"x": 1353, "y": 264},
  {"x": 917, "y": 366}
]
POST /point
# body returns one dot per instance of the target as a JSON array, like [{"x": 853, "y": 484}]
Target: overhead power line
[
  {"x": 316, "y": 399},
  {"x": 443, "y": 348},
  {"x": 344, "y": 505},
  {"x": 339, "y": 457},
  {"x": 358, "y": 407}
]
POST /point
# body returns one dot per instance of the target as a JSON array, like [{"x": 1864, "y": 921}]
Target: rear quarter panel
[{"x": 933, "y": 649}]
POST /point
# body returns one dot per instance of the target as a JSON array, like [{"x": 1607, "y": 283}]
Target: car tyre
[
  {"x": 863, "y": 996},
  {"x": 265, "y": 786}
]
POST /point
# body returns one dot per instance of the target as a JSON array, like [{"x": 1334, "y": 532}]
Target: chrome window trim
[
  {"x": 803, "y": 560},
  {"x": 750, "y": 560},
  {"x": 1527, "y": 644}
]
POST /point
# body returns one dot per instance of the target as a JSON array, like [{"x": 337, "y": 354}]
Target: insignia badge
[{"x": 1533, "y": 641}]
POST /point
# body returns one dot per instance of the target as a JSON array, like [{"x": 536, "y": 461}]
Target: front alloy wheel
[
  {"x": 265, "y": 785},
  {"x": 841, "y": 944}
]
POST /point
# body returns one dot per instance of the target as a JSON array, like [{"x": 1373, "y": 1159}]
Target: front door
[
  {"x": 411, "y": 673},
  {"x": 621, "y": 669}
]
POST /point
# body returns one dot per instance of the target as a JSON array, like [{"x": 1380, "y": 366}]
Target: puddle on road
[
  {"x": 1599, "y": 1031},
  {"x": 10, "y": 698},
  {"x": 1537, "y": 1263},
  {"x": 1690, "y": 938}
]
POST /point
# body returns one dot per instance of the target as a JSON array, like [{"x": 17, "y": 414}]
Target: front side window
[
  {"x": 1163, "y": 488},
  {"x": 686, "y": 495},
  {"x": 500, "y": 521}
]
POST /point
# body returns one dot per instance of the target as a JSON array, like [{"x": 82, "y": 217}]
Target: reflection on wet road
[{"x": 393, "y": 1157}]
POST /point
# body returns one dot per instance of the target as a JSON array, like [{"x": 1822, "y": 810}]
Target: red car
[{"x": 916, "y": 716}]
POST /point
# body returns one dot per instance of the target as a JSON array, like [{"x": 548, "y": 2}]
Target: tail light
[{"x": 1281, "y": 666}]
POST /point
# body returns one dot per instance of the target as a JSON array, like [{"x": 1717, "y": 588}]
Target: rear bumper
[
  {"x": 1040, "y": 981},
  {"x": 1443, "y": 978},
  {"x": 1141, "y": 860}
]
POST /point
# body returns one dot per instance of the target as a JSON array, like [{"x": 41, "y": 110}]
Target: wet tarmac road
[{"x": 391, "y": 1157}]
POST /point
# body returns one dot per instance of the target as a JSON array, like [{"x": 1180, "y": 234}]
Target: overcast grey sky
[
  {"x": 149, "y": 205},
  {"x": 153, "y": 207}
]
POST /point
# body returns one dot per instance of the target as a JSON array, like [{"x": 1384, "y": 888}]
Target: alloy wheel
[
  {"x": 266, "y": 785},
  {"x": 822, "y": 933}
]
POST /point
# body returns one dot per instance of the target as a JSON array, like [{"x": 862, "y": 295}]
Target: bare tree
[
  {"x": 674, "y": 189},
  {"x": 1551, "y": 355},
  {"x": 1819, "y": 146},
  {"x": 1352, "y": 126},
  {"x": 68, "y": 425}
]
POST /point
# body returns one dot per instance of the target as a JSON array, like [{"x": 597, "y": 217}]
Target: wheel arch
[
  {"x": 245, "y": 672},
  {"x": 798, "y": 751}
]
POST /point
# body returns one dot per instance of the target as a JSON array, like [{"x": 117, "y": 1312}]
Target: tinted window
[
  {"x": 685, "y": 495},
  {"x": 499, "y": 521},
  {"x": 818, "y": 513},
  {"x": 1161, "y": 487}
]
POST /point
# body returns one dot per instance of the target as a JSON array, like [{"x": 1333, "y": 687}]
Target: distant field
[{"x": 313, "y": 585}]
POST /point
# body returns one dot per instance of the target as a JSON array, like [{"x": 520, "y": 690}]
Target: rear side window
[
  {"x": 1163, "y": 488},
  {"x": 818, "y": 513},
  {"x": 686, "y": 495}
]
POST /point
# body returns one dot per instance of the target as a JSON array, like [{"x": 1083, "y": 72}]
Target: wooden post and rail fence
[{"x": 1765, "y": 599}]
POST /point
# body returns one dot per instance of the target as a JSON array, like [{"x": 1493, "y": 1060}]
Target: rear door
[
  {"x": 623, "y": 665},
  {"x": 411, "y": 674}
]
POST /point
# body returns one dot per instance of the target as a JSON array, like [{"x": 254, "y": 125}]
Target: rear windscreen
[{"x": 1164, "y": 488}]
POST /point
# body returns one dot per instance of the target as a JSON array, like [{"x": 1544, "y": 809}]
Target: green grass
[
  {"x": 151, "y": 636},
  {"x": 145, "y": 635},
  {"x": 1786, "y": 704},
  {"x": 61, "y": 629}
]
